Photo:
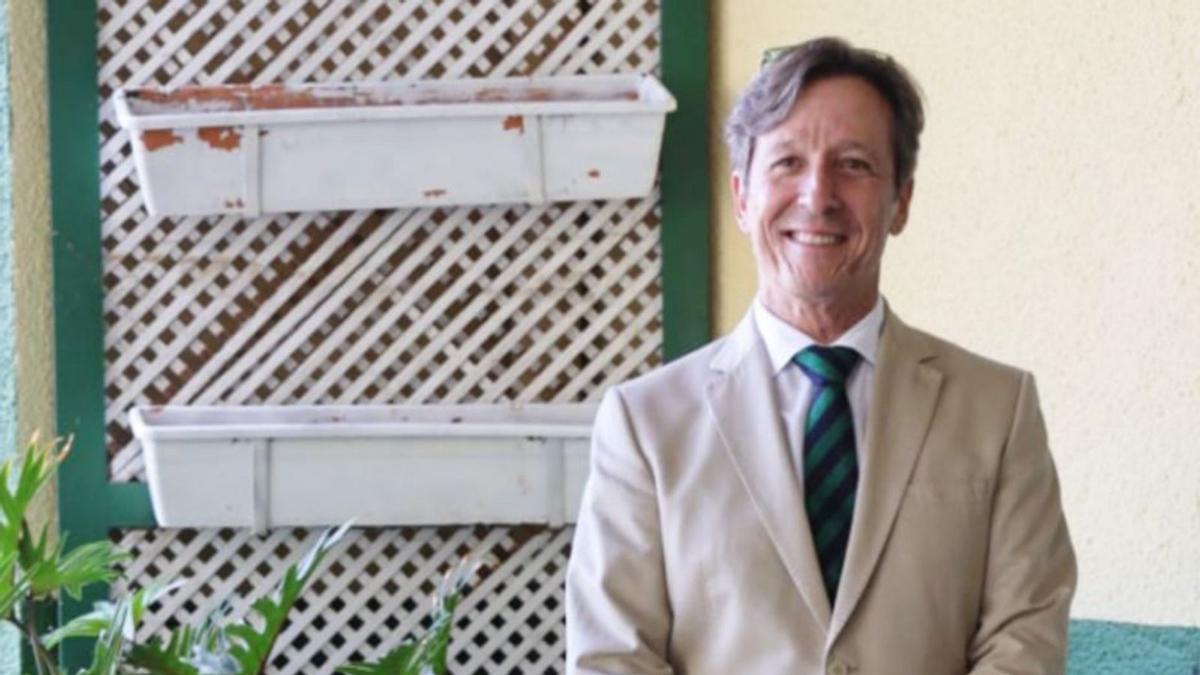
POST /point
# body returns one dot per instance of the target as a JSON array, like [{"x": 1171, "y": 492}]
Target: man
[{"x": 825, "y": 490}]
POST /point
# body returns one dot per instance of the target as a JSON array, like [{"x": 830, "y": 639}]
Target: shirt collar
[{"x": 784, "y": 341}]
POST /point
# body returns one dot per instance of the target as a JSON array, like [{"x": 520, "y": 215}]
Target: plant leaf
[
  {"x": 37, "y": 467},
  {"x": 103, "y": 617},
  {"x": 107, "y": 653},
  {"x": 168, "y": 659},
  {"x": 426, "y": 656},
  {"x": 123, "y": 620},
  {"x": 87, "y": 564},
  {"x": 431, "y": 649},
  {"x": 209, "y": 650},
  {"x": 12, "y": 588},
  {"x": 252, "y": 646},
  {"x": 32, "y": 552},
  {"x": 88, "y": 625},
  {"x": 430, "y": 656}
]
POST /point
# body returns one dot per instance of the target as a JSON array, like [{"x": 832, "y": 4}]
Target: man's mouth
[{"x": 815, "y": 238}]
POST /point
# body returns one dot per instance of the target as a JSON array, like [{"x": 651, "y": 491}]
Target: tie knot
[{"x": 827, "y": 366}]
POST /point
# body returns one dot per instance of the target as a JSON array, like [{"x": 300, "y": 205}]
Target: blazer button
[{"x": 838, "y": 668}]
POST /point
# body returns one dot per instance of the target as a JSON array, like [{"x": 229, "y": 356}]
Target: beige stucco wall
[
  {"x": 32, "y": 274},
  {"x": 1056, "y": 225},
  {"x": 31, "y": 216}
]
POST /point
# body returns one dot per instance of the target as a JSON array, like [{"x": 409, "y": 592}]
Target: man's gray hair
[{"x": 769, "y": 98}]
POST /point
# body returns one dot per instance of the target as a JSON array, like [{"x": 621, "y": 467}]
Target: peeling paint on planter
[
  {"x": 156, "y": 139},
  {"x": 246, "y": 150},
  {"x": 220, "y": 138},
  {"x": 514, "y": 123}
]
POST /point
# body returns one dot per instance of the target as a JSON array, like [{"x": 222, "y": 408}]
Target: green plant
[
  {"x": 241, "y": 648},
  {"x": 427, "y": 655},
  {"x": 31, "y": 571}
]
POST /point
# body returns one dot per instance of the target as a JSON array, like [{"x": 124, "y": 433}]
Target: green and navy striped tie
[{"x": 830, "y": 465}]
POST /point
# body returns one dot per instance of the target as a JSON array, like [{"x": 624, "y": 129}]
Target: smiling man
[{"x": 825, "y": 490}]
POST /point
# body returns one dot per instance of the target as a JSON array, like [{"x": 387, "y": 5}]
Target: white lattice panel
[
  {"x": 469, "y": 304},
  {"x": 372, "y": 592}
]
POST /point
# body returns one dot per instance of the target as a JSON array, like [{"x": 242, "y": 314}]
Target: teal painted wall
[
  {"x": 1106, "y": 648},
  {"x": 10, "y": 654},
  {"x": 8, "y": 399}
]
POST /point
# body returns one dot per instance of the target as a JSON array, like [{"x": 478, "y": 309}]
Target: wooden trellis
[
  {"x": 466, "y": 304},
  {"x": 479, "y": 304}
]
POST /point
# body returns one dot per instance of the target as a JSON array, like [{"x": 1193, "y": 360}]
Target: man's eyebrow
[
  {"x": 854, "y": 145},
  {"x": 781, "y": 142}
]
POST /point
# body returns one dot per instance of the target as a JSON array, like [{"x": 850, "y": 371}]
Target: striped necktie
[{"x": 830, "y": 465}]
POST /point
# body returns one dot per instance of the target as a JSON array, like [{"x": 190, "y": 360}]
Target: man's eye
[
  {"x": 786, "y": 162},
  {"x": 856, "y": 165}
]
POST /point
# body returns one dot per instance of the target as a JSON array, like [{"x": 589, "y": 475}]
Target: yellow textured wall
[
  {"x": 1056, "y": 226},
  {"x": 31, "y": 216},
  {"x": 32, "y": 274}
]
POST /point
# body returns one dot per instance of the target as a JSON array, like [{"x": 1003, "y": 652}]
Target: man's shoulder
[
  {"x": 959, "y": 361},
  {"x": 667, "y": 403}
]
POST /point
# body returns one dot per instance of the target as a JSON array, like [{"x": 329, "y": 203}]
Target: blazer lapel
[
  {"x": 902, "y": 405},
  {"x": 741, "y": 399}
]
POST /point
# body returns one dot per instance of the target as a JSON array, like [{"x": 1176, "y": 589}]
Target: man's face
[{"x": 819, "y": 198}]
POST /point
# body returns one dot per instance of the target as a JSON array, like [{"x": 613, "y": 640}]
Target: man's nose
[{"x": 818, "y": 190}]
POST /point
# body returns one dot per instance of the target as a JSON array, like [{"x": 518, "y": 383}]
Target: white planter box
[
  {"x": 252, "y": 149},
  {"x": 291, "y": 466}
]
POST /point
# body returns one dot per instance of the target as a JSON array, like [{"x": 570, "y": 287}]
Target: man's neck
[{"x": 822, "y": 321}]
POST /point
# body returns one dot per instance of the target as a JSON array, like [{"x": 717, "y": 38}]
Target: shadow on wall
[{"x": 1104, "y": 648}]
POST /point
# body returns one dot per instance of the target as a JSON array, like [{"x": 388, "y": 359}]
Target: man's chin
[{"x": 820, "y": 293}]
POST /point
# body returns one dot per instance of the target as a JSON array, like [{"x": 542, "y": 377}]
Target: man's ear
[
  {"x": 903, "y": 198},
  {"x": 738, "y": 187}
]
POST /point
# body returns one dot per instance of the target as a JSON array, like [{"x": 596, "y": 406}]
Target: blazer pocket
[{"x": 955, "y": 490}]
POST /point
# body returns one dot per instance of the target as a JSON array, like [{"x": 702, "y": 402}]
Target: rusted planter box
[{"x": 254, "y": 149}]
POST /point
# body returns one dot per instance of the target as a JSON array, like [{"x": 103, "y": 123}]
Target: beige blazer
[{"x": 693, "y": 555}]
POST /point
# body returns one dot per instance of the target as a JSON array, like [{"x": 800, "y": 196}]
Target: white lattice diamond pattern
[
  {"x": 399, "y": 306},
  {"x": 481, "y": 304},
  {"x": 371, "y": 593}
]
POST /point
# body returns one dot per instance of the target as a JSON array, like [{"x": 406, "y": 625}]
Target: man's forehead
[{"x": 791, "y": 138}]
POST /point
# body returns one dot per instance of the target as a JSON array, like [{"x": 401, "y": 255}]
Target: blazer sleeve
[
  {"x": 1031, "y": 571},
  {"x": 618, "y": 614}
]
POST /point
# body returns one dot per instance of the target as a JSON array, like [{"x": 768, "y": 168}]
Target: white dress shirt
[{"x": 793, "y": 389}]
